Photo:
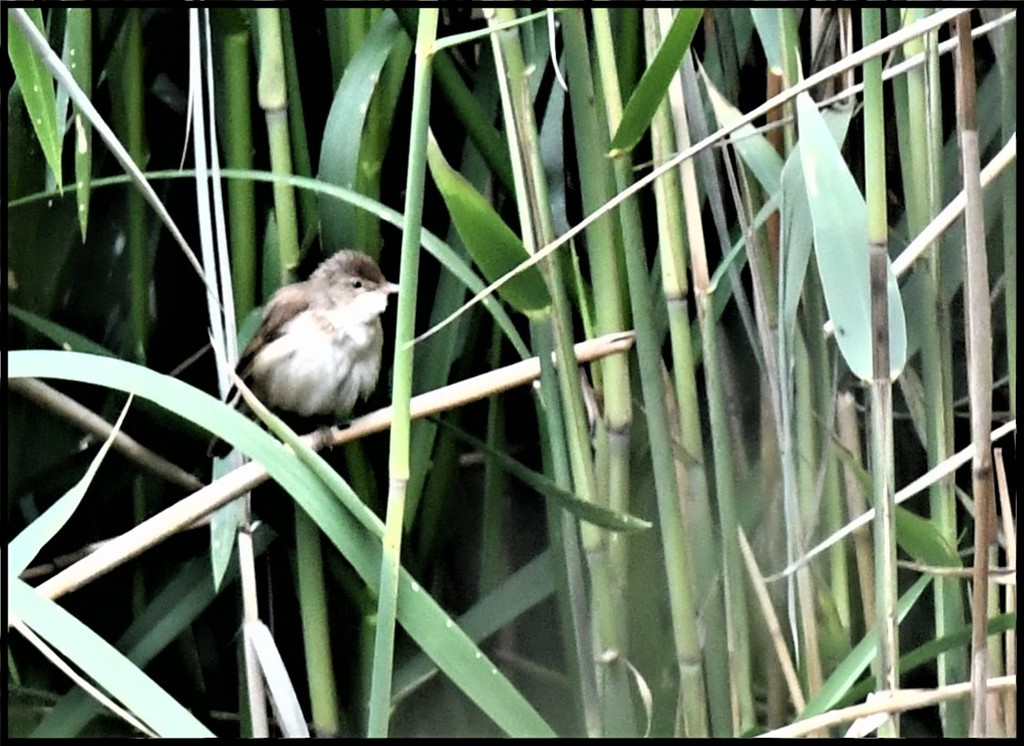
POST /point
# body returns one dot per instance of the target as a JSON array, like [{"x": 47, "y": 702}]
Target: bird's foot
[{"x": 323, "y": 437}]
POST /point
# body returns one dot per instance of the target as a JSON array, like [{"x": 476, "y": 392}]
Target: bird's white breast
[{"x": 322, "y": 361}]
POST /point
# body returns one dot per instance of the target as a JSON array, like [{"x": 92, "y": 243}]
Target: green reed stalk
[
  {"x": 924, "y": 200},
  {"x": 272, "y": 93},
  {"x": 685, "y": 521},
  {"x": 537, "y": 230},
  {"x": 236, "y": 131},
  {"x": 693, "y": 717},
  {"x": 398, "y": 462},
  {"x": 273, "y": 99},
  {"x": 807, "y": 367},
  {"x": 705, "y": 553},
  {"x": 606, "y": 552},
  {"x": 604, "y": 246},
  {"x": 133, "y": 121},
  {"x": 301, "y": 162}
]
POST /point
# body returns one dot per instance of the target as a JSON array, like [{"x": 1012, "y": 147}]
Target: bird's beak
[{"x": 391, "y": 288}]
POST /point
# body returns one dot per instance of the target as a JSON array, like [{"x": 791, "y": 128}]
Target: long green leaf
[
  {"x": 493, "y": 245},
  {"x": 839, "y": 216},
  {"x": 78, "y": 58},
  {"x": 519, "y": 593},
  {"x": 931, "y": 650},
  {"x": 37, "y": 90},
  {"x": 26, "y": 545},
  {"x": 359, "y": 542},
  {"x": 440, "y": 250},
  {"x": 102, "y": 662},
  {"x": 797, "y": 226},
  {"x": 653, "y": 86},
  {"x": 921, "y": 539},
  {"x": 177, "y": 605},
  {"x": 582, "y": 509},
  {"x": 755, "y": 150},
  {"x": 479, "y": 125},
  {"x": 857, "y": 662},
  {"x": 343, "y": 132},
  {"x": 66, "y": 338}
]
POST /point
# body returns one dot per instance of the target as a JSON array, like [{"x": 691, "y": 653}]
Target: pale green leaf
[
  {"x": 839, "y": 217},
  {"x": 356, "y": 532},
  {"x": 103, "y": 663},
  {"x": 26, "y": 545}
]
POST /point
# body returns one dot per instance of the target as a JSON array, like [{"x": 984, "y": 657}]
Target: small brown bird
[{"x": 318, "y": 348}]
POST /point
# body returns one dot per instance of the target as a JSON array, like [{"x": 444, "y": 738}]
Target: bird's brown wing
[{"x": 285, "y": 305}]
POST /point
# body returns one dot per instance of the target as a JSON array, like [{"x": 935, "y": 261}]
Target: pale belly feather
[{"x": 311, "y": 370}]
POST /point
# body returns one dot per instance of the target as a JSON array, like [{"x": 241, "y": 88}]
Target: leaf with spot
[
  {"x": 37, "y": 90},
  {"x": 840, "y": 227}
]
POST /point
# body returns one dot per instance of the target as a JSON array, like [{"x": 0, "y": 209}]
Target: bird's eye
[{"x": 357, "y": 284}]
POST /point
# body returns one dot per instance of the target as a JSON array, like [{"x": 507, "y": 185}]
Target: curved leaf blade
[
  {"x": 856, "y": 663},
  {"x": 796, "y": 221},
  {"x": 755, "y": 150},
  {"x": 343, "y": 133},
  {"x": 929, "y": 651},
  {"x": 26, "y": 545},
  {"x": 37, "y": 90},
  {"x": 495, "y": 248},
  {"x": 102, "y": 662},
  {"x": 582, "y": 509},
  {"x": 354, "y": 529},
  {"x": 651, "y": 90},
  {"x": 176, "y": 606},
  {"x": 61, "y": 335},
  {"x": 839, "y": 219},
  {"x": 921, "y": 539}
]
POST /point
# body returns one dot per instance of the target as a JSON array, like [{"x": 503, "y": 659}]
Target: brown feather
[
  {"x": 284, "y": 305},
  {"x": 287, "y": 303}
]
